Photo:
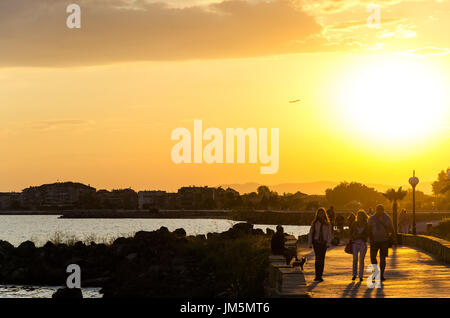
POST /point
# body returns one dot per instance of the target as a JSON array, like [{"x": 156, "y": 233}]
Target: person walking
[
  {"x": 350, "y": 220},
  {"x": 359, "y": 234},
  {"x": 320, "y": 239},
  {"x": 381, "y": 236},
  {"x": 404, "y": 222}
]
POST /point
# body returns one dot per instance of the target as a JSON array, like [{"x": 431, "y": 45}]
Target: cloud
[
  {"x": 34, "y": 33},
  {"x": 362, "y": 23},
  {"x": 54, "y": 123},
  {"x": 430, "y": 50},
  {"x": 337, "y": 6}
]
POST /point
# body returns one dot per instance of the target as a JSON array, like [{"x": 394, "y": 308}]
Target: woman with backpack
[
  {"x": 320, "y": 239},
  {"x": 359, "y": 234}
]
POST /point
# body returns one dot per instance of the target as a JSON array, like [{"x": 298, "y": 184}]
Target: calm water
[{"x": 40, "y": 228}]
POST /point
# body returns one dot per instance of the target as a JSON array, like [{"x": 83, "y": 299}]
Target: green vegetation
[
  {"x": 70, "y": 239},
  {"x": 239, "y": 264},
  {"x": 442, "y": 230},
  {"x": 441, "y": 189},
  {"x": 353, "y": 196},
  {"x": 394, "y": 196}
]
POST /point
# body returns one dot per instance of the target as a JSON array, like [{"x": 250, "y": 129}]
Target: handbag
[{"x": 349, "y": 247}]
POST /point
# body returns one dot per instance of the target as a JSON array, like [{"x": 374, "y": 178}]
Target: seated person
[{"x": 278, "y": 247}]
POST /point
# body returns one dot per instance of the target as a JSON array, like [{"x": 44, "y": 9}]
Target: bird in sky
[{"x": 294, "y": 101}]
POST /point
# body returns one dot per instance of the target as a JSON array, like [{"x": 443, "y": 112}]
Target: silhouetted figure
[
  {"x": 331, "y": 216},
  {"x": 381, "y": 231},
  {"x": 350, "y": 220},
  {"x": 340, "y": 221},
  {"x": 278, "y": 245},
  {"x": 359, "y": 234},
  {"x": 404, "y": 222},
  {"x": 320, "y": 239}
]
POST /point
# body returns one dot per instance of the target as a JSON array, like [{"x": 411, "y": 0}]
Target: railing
[{"x": 433, "y": 245}]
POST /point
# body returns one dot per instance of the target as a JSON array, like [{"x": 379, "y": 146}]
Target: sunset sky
[{"x": 98, "y": 104}]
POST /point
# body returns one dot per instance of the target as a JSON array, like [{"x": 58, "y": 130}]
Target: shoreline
[{"x": 254, "y": 217}]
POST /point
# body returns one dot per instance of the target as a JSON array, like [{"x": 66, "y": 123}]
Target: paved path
[{"x": 410, "y": 273}]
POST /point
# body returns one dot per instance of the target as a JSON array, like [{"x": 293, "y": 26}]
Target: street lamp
[{"x": 414, "y": 181}]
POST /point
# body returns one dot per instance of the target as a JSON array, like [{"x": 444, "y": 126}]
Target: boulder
[
  {"x": 6, "y": 246},
  {"x": 120, "y": 241},
  {"x": 26, "y": 249},
  {"x": 257, "y": 232},
  {"x": 79, "y": 245},
  {"x": 132, "y": 256},
  {"x": 243, "y": 227},
  {"x": 163, "y": 229},
  {"x": 66, "y": 293},
  {"x": 180, "y": 232},
  {"x": 49, "y": 245}
]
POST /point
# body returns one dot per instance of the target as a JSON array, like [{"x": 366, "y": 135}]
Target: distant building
[
  {"x": 118, "y": 199},
  {"x": 55, "y": 195},
  {"x": 196, "y": 197},
  {"x": 225, "y": 198},
  {"x": 9, "y": 201},
  {"x": 153, "y": 199}
]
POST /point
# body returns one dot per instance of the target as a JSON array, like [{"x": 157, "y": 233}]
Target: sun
[{"x": 393, "y": 99}]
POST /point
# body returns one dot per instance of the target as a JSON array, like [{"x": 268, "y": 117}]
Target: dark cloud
[{"x": 34, "y": 33}]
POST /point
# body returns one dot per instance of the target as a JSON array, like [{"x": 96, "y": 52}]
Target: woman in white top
[
  {"x": 404, "y": 222},
  {"x": 320, "y": 239}
]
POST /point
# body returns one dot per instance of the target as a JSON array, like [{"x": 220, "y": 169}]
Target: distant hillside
[{"x": 318, "y": 187}]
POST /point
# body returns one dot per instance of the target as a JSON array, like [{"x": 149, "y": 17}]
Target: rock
[
  {"x": 49, "y": 245},
  {"x": 120, "y": 241},
  {"x": 65, "y": 293},
  {"x": 79, "y": 245},
  {"x": 163, "y": 229},
  {"x": 211, "y": 236},
  {"x": 6, "y": 246},
  {"x": 6, "y": 249},
  {"x": 132, "y": 256},
  {"x": 243, "y": 227},
  {"x": 26, "y": 249},
  {"x": 238, "y": 230},
  {"x": 143, "y": 235},
  {"x": 180, "y": 232},
  {"x": 120, "y": 250},
  {"x": 257, "y": 232},
  {"x": 18, "y": 275}
]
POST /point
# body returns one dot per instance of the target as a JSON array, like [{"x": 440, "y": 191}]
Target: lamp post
[{"x": 414, "y": 181}]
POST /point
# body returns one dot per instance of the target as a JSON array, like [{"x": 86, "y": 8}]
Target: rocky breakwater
[{"x": 151, "y": 264}]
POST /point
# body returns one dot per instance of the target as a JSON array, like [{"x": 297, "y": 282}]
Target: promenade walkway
[{"x": 410, "y": 273}]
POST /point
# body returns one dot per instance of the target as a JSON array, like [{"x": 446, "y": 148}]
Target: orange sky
[{"x": 98, "y": 104}]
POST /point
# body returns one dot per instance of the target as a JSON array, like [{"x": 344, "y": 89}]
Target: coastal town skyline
[
  {"x": 310, "y": 188},
  {"x": 371, "y": 100}
]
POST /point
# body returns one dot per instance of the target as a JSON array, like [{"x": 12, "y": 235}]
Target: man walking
[{"x": 381, "y": 233}]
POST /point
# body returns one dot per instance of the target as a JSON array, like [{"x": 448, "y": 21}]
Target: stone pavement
[{"x": 410, "y": 273}]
